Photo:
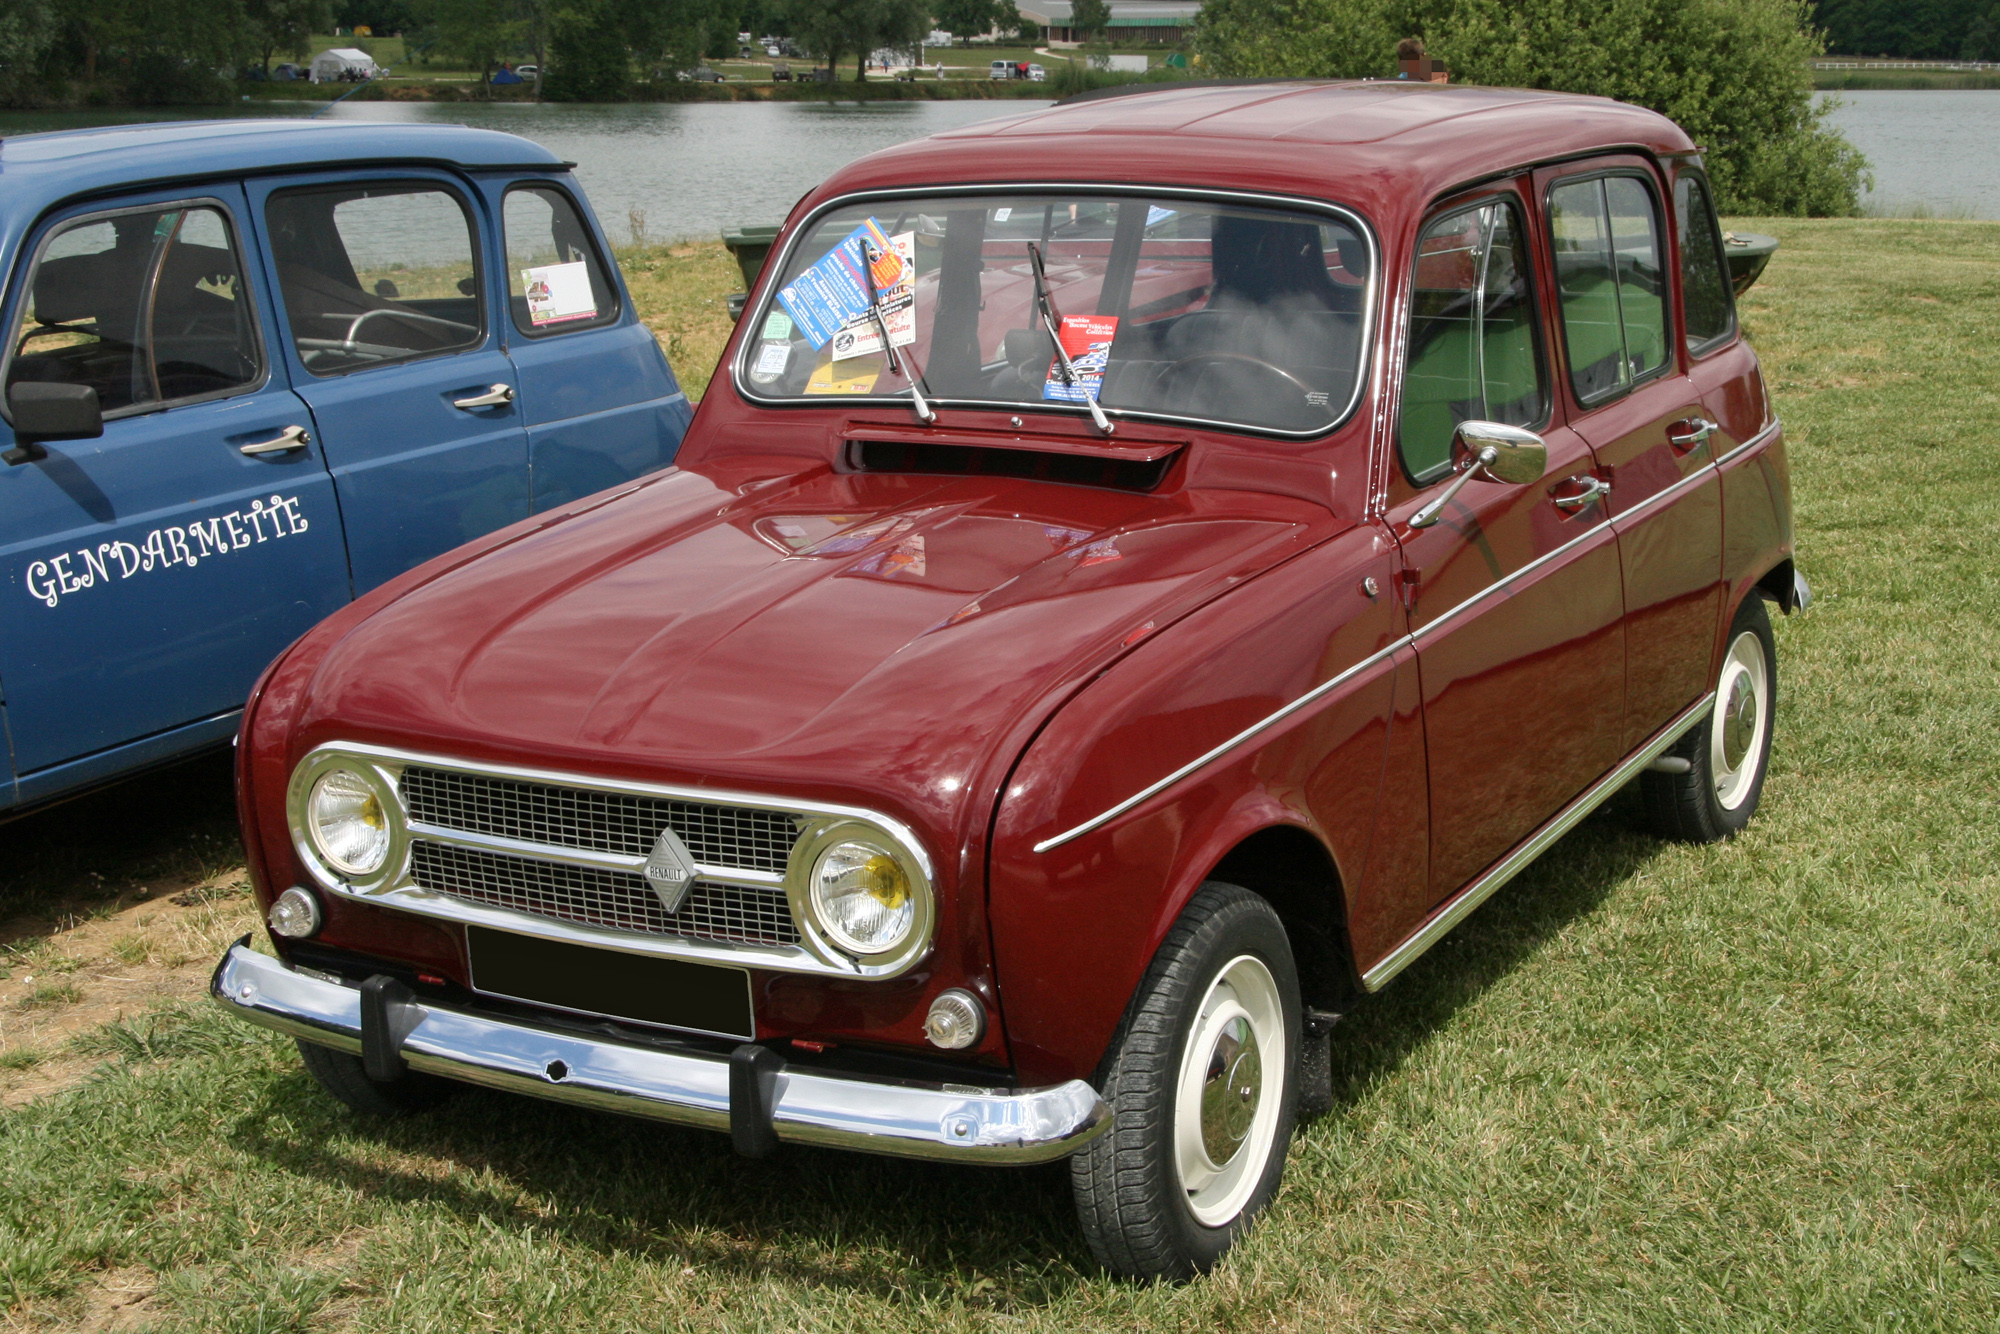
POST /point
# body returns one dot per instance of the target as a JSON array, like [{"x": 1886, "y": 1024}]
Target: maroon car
[{"x": 1150, "y": 569}]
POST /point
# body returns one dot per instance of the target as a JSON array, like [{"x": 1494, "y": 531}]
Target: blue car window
[
  {"x": 376, "y": 274},
  {"x": 146, "y": 306},
  {"x": 555, "y": 279}
]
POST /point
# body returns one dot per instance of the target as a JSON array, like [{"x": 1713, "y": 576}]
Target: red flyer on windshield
[{"x": 1087, "y": 339}]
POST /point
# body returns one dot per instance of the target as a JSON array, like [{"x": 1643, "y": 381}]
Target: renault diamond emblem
[{"x": 670, "y": 870}]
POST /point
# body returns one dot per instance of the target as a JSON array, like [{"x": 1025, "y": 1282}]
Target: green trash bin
[{"x": 750, "y": 245}]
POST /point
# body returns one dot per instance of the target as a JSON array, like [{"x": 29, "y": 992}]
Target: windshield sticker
[
  {"x": 777, "y": 325},
  {"x": 50, "y": 581},
  {"x": 1002, "y": 214},
  {"x": 855, "y": 377},
  {"x": 559, "y": 292},
  {"x": 1156, "y": 215},
  {"x": 899, "y": 308},
  {"x": 1087, "y": 340},
  {"x": 826, "y": 297},
  {"x": 773, "y": 358}
]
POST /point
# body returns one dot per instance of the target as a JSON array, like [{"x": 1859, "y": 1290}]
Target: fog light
[
  {"x": 295, "y": 915},
  {"x": 956, "y": 1020}
]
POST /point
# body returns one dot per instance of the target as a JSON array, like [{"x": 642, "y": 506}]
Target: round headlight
[
  {"x": 348, "y": 824},
  {"x": 862, "y": 897}
]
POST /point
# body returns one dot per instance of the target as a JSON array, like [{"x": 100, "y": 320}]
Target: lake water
[
  {"x": 692, "y": 168},
  {"x": 1935, "y": 148},
  {"x": 689, "y": 168}
]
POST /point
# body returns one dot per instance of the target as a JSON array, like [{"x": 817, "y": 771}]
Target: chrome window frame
[
  {"x": 16, "y": 309},
  {"x": 392, "y": 886},
  {"x": 1370, "y": 302}
]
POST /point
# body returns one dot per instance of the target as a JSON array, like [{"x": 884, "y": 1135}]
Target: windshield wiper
[
  {"x": 925, "y": 413},
  {"x": 1046, "y": 308}
]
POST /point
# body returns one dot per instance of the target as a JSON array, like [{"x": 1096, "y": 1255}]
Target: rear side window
[
  {"x": 1606, "y": 235},
  {"x": 376, "y": 274},
  {"x": 1474, "y": 350},
  {"x": 1705, "y": 298},
  {"x": 555, "y": 280},
  {"x": 146, "y": 306}
]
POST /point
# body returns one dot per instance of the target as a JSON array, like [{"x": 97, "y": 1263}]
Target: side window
[
  {"x": 146, "y": 306},
  {"x": 555, "y": 280},
  {"x": 1704, "y": 287},
  {"x": 1474, "y": 350},
  {"x": 376, "y": 274},
  {"x": 1606, "y": 236}
]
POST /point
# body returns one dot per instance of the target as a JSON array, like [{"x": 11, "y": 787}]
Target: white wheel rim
[
  {"x": 1742, "y": 717},
  {"x": 1230, "y": 1089}
]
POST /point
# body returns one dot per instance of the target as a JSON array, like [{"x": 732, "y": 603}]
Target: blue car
[{"x": 253, "y": 370}]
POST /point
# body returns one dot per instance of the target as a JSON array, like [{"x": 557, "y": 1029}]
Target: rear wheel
[
  {"x": 1203, "y": 1079},
  {"x": 1727, "y": 753},
  {"x": 342, "y": 1075}
]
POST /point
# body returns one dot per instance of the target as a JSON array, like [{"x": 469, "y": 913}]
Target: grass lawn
[{"x": 1648, "y": 1087}]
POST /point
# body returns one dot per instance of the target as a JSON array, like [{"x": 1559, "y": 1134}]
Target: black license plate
[{"x": 670, "y": 992}]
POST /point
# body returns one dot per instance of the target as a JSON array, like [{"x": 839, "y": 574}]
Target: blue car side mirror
[{"x": 50, "y": 412}]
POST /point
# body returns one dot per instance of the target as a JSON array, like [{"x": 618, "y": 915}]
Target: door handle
[
  {"x": 1593, "y": 488},
  {"x": 292, "y": 437},
  {"x": 492, "y": 398},
  {"x": 1686, "y": 435}
]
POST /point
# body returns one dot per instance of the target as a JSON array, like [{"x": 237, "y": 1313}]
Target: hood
[{"x": 885, "y": 640}]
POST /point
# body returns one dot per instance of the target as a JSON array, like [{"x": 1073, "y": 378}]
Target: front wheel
[
  {"x": 1203, "y": 1079},
  {"x": 1727, "y": 753}
]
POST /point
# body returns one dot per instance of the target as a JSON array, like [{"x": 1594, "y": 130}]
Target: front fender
[{"x": 1275, "y": 700}]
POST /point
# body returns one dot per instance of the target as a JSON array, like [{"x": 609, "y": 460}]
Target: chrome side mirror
[{"x": 1492, "y": 450}]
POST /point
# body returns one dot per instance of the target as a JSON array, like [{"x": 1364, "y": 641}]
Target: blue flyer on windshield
[{"x": 833, "y": 293}]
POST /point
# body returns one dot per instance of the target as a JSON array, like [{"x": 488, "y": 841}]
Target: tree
[
  {"x": 285, "y": 25},
  {"x": 590, "y": 53},
  {"x": 480, "y": 34},
  {"x": 1735, "y": 74},
  {"x": 965, "y": 19},
  {"x": 830, "y": 29},
  {"x": 1089, "y": 18},
  {"x": 27, "y": 30}
]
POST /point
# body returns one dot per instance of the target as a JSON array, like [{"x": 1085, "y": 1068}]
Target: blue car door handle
[
  {"x": 498, "y": 394},
  {"x": 292, "y": 437}
]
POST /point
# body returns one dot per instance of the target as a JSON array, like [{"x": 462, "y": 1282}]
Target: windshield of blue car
[{"x": 1187, "y": 309}]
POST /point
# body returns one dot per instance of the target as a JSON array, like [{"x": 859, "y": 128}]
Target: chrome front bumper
[{"x": 952, "y": 1122}]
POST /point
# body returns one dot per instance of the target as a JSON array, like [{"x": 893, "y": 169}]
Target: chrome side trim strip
[
  {"x": 1596, "y": 531},
  {"x": 1761, "y": 437},
  {"x": 1483, "y": 888},
  {"x": 1705, "y": 473},
  {"x": 905, "y": 1119},
  {"x": 1137, "y": 798}
]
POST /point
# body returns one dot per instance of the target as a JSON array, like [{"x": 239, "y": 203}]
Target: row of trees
[
  {"x": 171, "y": 50},
  {"x": 1736, "y": 74},
  {"x": 1912, "y": 29}
]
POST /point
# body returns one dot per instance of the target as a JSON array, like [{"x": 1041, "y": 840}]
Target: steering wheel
[{"x": 1238, "y": 359}]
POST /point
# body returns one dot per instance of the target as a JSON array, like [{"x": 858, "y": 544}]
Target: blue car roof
[{"x": 37, "y": 170}]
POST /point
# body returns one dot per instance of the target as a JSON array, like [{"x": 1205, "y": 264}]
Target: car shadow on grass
[{"x": 894, "y": 1229}]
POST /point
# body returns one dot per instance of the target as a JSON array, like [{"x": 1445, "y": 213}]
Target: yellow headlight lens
[
  {"x": 348, "y": 824},
  {"x": 861, "y": 896}
]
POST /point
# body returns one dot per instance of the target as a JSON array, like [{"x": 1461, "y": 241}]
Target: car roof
[
  {"x": 37, "y": 170},
  {"x": 1363, "y": 142}
]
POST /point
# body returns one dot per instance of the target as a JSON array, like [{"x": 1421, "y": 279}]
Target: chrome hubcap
[
  {"x": 1229, "y": 1094},
  {"x": 1226, "y": 1100},
  {"x": 1736, "y": 737}
]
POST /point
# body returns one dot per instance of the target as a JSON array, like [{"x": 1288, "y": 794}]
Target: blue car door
[
  {"x": 152, "y": 573},
  {"x": 384, "y": 281},
  {"x": 599, "y": 401}
]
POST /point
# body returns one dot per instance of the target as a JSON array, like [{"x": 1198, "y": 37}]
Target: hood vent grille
[{"x": 990, "y": 461}]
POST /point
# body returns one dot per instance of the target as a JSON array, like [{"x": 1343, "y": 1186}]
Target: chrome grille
[
  {"x": 578, "y": 817},
  {"x": 741, "y": 914}
]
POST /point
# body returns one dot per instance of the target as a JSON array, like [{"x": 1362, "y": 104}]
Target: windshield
[{"x": 1164, "y": 306}]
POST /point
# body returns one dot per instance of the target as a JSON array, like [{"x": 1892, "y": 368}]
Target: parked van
[{"x": 254, "y": 370}]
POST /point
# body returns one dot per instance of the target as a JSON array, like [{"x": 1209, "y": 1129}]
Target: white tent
[{"x": 343, "y": 62}]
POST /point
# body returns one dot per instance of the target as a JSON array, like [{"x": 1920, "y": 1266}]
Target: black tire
[
  {"x": 1141, "y": 1221},
  {"x": 1713, "y": 799},
  {"x": 342, "y": 1076}
]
